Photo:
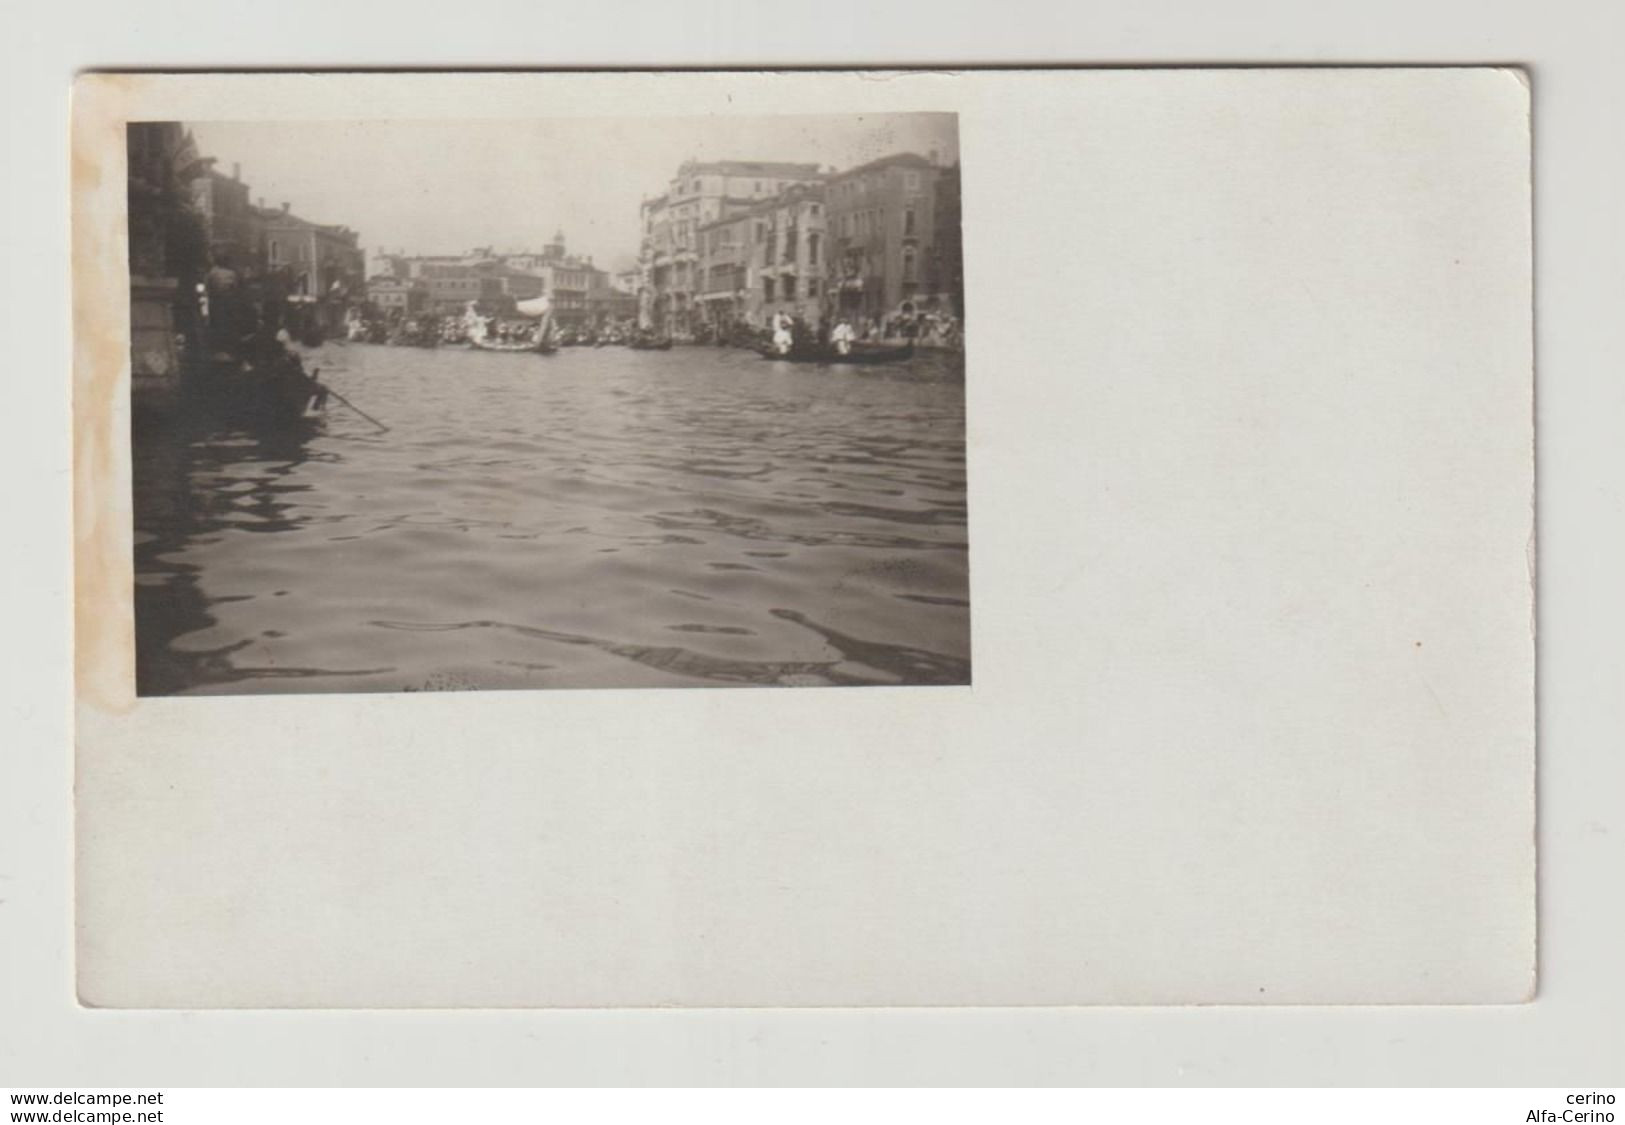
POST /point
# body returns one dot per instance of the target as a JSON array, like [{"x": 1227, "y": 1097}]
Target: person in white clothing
[{"x": 842, "y": 337}]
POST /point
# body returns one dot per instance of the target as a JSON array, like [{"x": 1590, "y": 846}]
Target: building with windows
[
  {"x": 790, "y": 254},
  {"x": 701, "y": 193},
  {"x": 724, "y": 291},
  {"x": 608, "y": 304},
  {"x": 452, "y": 285},
  {"x": 568, "y": 279},
  {"x": 882, "y": 226},
  {"x": 235, "y": 231},
  {"x": 947, "y": 255},
  {"x": 390, "y": 294},
  {"x": 319, "y": 261},
  {"x": 168, "y": 252},
  {"x": 496, "y": 281}
]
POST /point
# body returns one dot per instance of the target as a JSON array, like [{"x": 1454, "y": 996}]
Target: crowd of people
[{"x": 785, "y": 331}]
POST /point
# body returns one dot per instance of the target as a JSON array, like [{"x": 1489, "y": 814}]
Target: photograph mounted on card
[{"x": 425, "y": 421}]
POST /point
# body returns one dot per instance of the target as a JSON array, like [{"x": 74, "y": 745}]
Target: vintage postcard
[{"x": 432, "y": 428}]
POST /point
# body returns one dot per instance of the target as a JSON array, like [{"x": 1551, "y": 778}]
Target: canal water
[{"x": 595, "y": 518}]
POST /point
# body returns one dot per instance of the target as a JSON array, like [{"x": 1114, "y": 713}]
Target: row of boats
[
  {"x": 538, "y": 333},
  {"x": 543, "y": 342},
  {"x": 855, "y": 353}
]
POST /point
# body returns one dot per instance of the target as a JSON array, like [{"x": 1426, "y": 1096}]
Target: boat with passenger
[
  {"x": 858, "y": 354},
  {"x": 531, "y": 331},
  {"x": 647, "y": 341}
]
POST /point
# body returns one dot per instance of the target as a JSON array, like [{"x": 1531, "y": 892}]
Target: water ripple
[{"x": 531, "y": 522}]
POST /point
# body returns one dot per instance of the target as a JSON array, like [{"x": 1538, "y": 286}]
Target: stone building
[
  {"x": 168, "y": 254},
  {"x": 699, "y": 194},
  {"x": 882, "y": 229},
  {"x": 607, "y": 303},
  {"x": 452, "y": 284},
  {"x": 790, "y": 252},
  {"x": 236, "y": 232},
  {"x": 947, "y": 255},
  {"x": 726, "y": 288},
  {"x": 322, "y": 262},
  {"x": 401, "y": 295}
]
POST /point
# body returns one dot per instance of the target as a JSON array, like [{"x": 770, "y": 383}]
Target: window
[
  {"x": 908, "y": 263},
  {"x": 908, "y": 222},
  {"x": 812, "y": 287},
  {"x": 812, "y": 249},
  {"x": 789, "y": 289},
  {"x": 911, "y": 181},
  {"x": 767, "y": 288}
]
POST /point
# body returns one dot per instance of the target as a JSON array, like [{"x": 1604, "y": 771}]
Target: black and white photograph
[{"x": 443, "y": 405}]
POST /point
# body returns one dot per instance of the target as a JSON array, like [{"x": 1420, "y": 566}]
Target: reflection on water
[{"x": 598, "y": 518}]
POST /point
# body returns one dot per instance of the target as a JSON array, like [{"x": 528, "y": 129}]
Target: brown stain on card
[{"x": 104, "y": 626}]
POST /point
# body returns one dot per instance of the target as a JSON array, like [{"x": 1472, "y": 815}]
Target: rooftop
[
  {"x": 748, "y": 168},
  {"x": 895, "y": 160},
  {"x": 284, "y": 218}
]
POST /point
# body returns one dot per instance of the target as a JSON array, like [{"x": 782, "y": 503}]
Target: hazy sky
[{"x": 438, "y": 187}]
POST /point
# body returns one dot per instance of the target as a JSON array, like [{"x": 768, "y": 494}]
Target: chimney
[
  {"x": 259, "y": 201},
  {"x": 284, "y": 208},
  {"x": 236, "y": 170},
  {"x": 933, "y": 157}
]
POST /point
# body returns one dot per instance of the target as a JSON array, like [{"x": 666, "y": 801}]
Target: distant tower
[{"x": 555, "y": 249}]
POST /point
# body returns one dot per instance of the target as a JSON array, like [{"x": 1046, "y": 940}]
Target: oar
[{"x": 383, "y": 428}]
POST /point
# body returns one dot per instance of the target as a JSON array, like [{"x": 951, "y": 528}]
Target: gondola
[
  {"x": 663, "y": 345},
  {"x": 544, "y": 346},
  {"x": 861, "y": 354}
]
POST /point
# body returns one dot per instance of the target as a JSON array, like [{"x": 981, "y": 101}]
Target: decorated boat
[{"x": 539, "y": 334}]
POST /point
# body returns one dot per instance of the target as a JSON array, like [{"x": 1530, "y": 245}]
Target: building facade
[
  {"x": 791, "y": 252},
  {"x": 235, "y": 230},
  {"x": 701, "y": 193},
  {"x": 496, "y": 281},
  {"x": 398, "y": 295},
  {"x": 168, "y": 253},
  {"x": 451, "y": 285},
  {"x": 725, "y": 293},
  {"x": 882, "y": 230},
  {"x": 607, "y": 304},
  {"x": 320, "y": 261},
  {"x": 947, "y": 272}
]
